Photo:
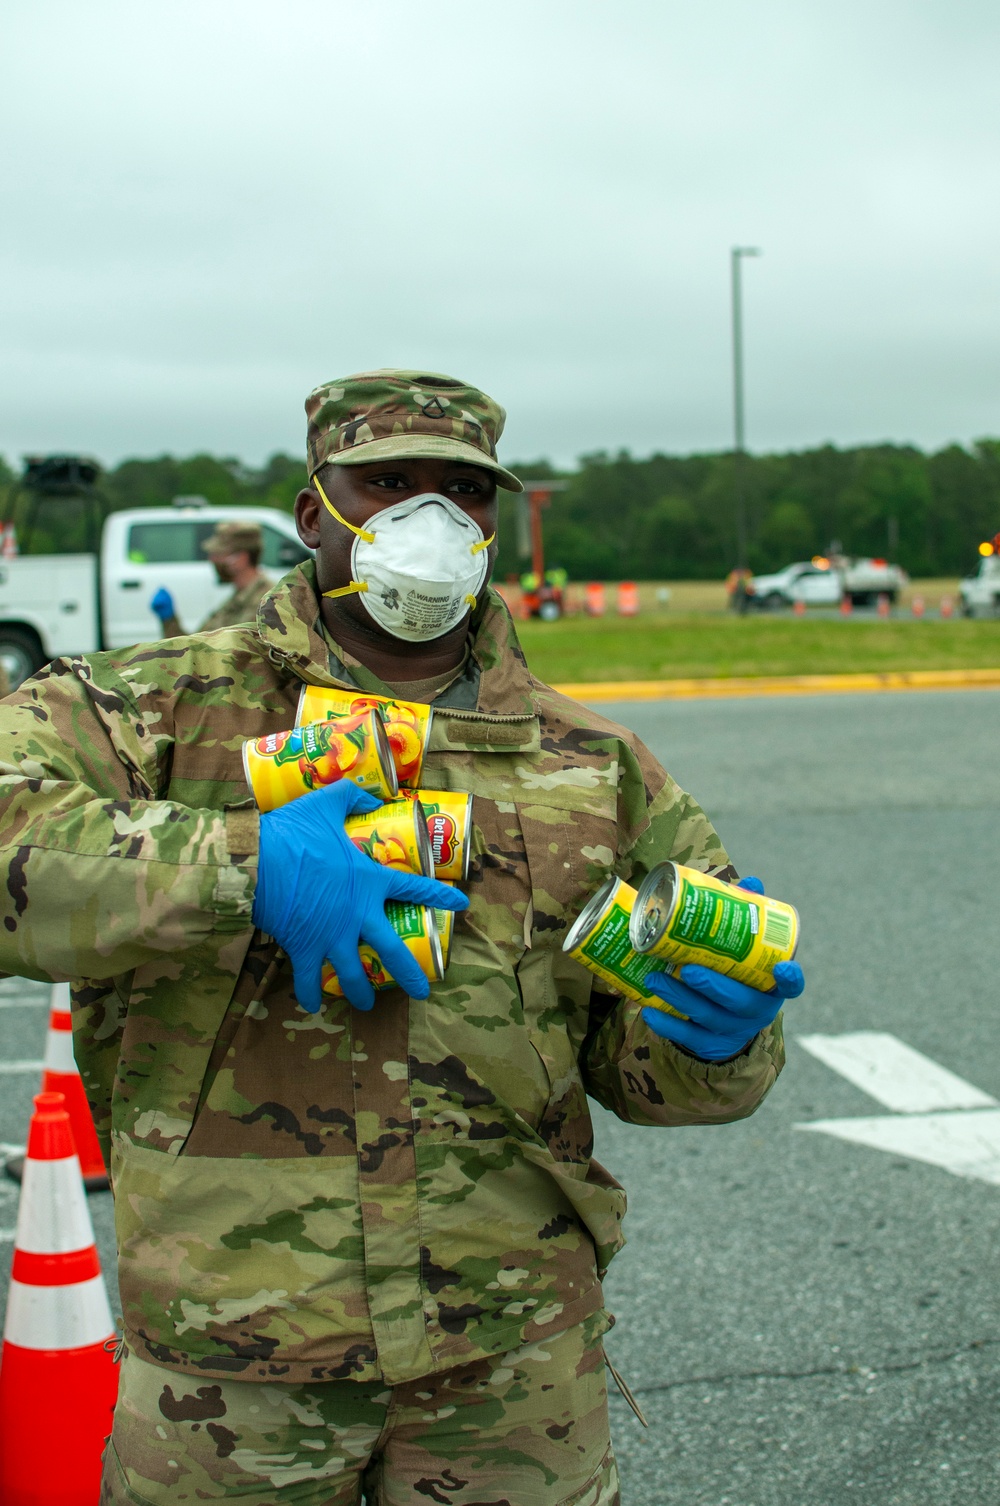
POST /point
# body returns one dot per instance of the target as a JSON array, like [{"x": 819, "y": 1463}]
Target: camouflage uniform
[
  {"x": 240, "y": 607},
  {"x": 525, "y": 1428},
  {"x": 304, "y": 1200}
]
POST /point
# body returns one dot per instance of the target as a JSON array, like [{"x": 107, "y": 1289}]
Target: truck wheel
[
  {"x": 773, "y": 602},
  {"x": 20, "y": 654}
]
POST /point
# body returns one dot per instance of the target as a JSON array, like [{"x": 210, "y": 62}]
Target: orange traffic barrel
[
  {"x": 593, "y": 599},
  {"x": 628, "y": 598}
]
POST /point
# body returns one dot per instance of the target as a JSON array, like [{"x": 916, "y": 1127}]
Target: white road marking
[
  {"x": 960, "y": 1134},
  {"x": 8, "y": 1149},
  {"x": 899, "y": 1077},
  {"x": 24, "y": 1003},
  {"x": 966, "y": 1144},
  {"x": 9, "y": 1068},
  {"x": 7, "y": 1236}
]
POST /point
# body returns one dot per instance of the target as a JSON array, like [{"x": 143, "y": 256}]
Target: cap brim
[{"x": 424, "y": 446}]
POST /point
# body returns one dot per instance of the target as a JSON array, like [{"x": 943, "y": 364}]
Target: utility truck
[
  {"x": 979, "y": 593},
  {"x": 825, "y": 582},
  {"x": 57, "y": 603}
]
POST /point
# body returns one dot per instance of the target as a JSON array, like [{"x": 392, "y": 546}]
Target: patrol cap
[
  {"x": 394, "y": 415},
  {"x": 233, "y": 538}
]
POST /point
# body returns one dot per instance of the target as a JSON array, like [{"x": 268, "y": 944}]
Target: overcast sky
[{"x": 209, "y": 207}]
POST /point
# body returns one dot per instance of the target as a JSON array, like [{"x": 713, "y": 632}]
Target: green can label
[
  {"x": 718, "y": 923},
  {"x": 608, "y": 948},
  {"x": 406, "y": 919}
]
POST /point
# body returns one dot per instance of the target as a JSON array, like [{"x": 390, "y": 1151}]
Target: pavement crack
[{"x": 866, "y": 1372}]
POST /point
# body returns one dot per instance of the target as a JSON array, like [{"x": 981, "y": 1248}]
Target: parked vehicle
[
  {"x": 825, "y": 582},
  {"x": 979, "y": 593},
  {"x": 53, "y": 604}
]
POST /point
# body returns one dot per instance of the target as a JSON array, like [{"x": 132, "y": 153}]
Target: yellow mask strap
[
  {"x": 356, "y": 585},
  {"x": 362, "y": 533},
  {"x": 478, "y": 548}
]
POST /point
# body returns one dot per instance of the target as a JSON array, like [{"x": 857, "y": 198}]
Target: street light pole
[{"x": 739, "y": 450}]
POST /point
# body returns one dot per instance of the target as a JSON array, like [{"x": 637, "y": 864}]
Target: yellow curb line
[{"x": 689, "y": 690}]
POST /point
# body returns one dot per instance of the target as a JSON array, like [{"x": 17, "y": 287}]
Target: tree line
[{"x": 664, "y": 517}]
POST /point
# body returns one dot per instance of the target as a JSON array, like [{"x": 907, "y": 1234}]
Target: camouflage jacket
[{"x": 343, "y": 1194}]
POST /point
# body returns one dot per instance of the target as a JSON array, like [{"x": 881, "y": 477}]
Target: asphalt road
[{"x": 805, "y": 1322}]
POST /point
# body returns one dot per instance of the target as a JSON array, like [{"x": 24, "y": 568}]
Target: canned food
[
  {"x": 394, "y": 835},
  {"x": 445, "y": 922},
  {"x": 283, "y": 765},
  {"x": 407, "y": 723},
  {"x": 689, "y": 917},
  {"x": 415, "y": 926},
  {"x": 599, "y": 938},
  {"x": 449, "y": 825}
]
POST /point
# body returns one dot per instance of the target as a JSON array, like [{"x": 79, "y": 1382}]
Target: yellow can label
[
  {"x": 721, "y": 926},
  {"x": 284, "y": 765},
  {"x": 407, "y": 723},
  {"x": 389, "y": 836},
  {"x": 449, "y": 826},
  {"x": 605, "y": 949},
  {"x": 411, "y": 924}
]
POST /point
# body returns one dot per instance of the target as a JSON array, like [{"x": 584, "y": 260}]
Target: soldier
[
  {"x": 235, "y": 550},
  {"x": 360, "y": 1248}
]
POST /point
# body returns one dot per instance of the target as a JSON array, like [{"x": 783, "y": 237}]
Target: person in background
[{"x": 235, "y": 550}]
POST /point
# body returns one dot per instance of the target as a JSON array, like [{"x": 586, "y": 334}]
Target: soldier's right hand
[{"x": 320, "y": 897}]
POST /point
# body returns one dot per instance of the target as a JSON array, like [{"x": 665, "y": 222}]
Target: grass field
[{"x": 670, "y": 645}]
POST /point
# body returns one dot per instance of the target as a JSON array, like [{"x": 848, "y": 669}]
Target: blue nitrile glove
[
  {"x": 163, "y": 604},
  {"x": 319, "y": 897},
  {"x": 723, "y": 1014}
]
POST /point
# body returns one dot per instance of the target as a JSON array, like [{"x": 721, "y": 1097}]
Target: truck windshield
[{"x": 179, "y": 541}]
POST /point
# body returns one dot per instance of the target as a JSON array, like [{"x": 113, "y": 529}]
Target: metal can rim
[
  {"x": 434, "y": 941},
  {"x": 423, "y": 839},
  {"x": 376, "y": 722},
  {"x": 467, "y": 843},
  {"x": 644, "y": 943},
  {"x": 590, "y": 914}
]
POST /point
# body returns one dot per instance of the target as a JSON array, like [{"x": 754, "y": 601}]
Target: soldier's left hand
[{"x": 723, "y": 1015}]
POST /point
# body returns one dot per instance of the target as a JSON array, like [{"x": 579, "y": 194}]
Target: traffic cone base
[
  {"x": 53, "y": 1442},
  {"x": 58, "y": 1379}
]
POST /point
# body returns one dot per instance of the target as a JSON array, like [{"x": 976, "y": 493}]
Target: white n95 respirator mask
[{"x": 418, "y": 567}]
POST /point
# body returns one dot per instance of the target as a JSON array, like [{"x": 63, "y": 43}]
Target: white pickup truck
[
  {"x": 52, "y": 604},
  {"x": 825, "y": 582},
  {"x": 979, "y": 594}
]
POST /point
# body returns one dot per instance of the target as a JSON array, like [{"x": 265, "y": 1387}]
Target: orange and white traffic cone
[
  {"x": 60, "y": 1074},
  {"x": 58, "y": 1377}
]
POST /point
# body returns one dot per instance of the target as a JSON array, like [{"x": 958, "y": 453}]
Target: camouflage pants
[{"x": 526, "y": 1428}]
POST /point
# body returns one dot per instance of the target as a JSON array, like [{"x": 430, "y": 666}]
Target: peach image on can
[
  {"x": 395, "y": 835},
  {"x": 416, "y": 928},
  {"x": 449, "y": 827},
  {"x": 599, "y": 938},
  {"x": 407, "y": 723},
  {"x": 284, "y": 765},
  {"x": 688, "y": 916}
]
